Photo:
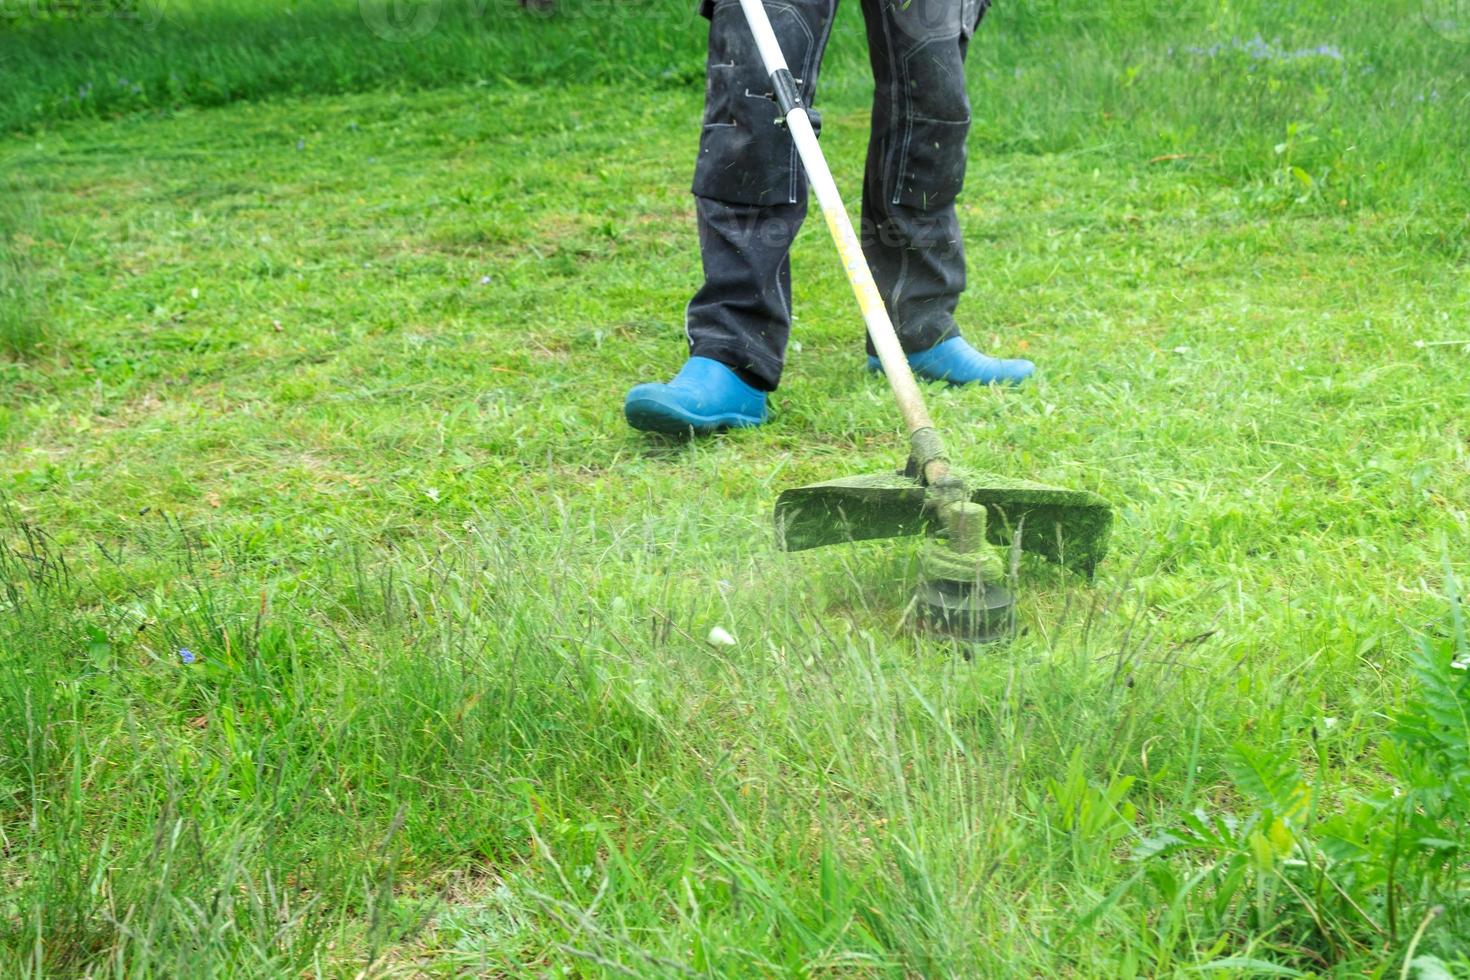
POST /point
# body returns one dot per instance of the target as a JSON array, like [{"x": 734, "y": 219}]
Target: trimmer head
[
  {"x": 1068, "y": 527},
  {"x": 981, "y": 612}
]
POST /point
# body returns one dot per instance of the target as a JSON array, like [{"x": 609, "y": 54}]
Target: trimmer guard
[{"x": 1068, "y": 527}]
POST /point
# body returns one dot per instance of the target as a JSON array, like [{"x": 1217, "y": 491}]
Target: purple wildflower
[{"x": 186, "y": 655}]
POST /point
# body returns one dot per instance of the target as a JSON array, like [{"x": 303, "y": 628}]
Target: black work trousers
[{"x": 751, "y": 194}]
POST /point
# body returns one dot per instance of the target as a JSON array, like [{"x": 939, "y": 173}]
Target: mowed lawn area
[{"x": 347, "y": 630}]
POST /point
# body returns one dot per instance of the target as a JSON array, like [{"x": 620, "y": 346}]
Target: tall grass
[
  {"x": 212, "y": 52},
  {"x": 206, "y": 780},
  {"x": 23, "y": 324},
  {"x": 262, "y": 771}
]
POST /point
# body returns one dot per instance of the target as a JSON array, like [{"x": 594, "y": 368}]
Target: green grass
[
  {"x": 23, "y": 326},
  {"x": 1304, "y": 98},
  {"x": 336, "y": 407}
]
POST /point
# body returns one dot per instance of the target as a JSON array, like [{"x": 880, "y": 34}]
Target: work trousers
[{"x": 751, "y": 192}]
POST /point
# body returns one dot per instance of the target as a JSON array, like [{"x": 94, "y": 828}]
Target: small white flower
[
  {"x": 1181, "y": 350},
  {"x": 719, "y": 637},
  {"x": 1329, "y": 722},
  {"x": 432, "y": 493}
]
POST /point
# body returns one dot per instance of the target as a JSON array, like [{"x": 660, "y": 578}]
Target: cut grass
[{"x": 338, "y": 412}]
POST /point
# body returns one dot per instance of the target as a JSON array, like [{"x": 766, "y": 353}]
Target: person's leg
[
  {"x": 750, "y": 190},
  {"x": 741, "y": 314},
  {"x": 915, "y": 169},
  {"x": 750, "y": 198}
]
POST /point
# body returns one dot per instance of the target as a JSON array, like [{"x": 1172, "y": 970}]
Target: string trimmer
[{"x": 961, "y": 588}]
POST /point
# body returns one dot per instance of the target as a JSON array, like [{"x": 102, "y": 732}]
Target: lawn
[{"x": 346, "y": 629}]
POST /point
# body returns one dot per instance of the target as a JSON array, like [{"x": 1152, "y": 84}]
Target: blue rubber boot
[
  {"x": 705, "y": 396},
  {"x": 958, "y": 363}
]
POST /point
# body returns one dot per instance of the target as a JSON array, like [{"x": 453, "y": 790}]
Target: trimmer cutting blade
[{"x": 1068, "y": 527}]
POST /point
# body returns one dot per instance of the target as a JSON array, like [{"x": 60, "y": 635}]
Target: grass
[
  {"x": 1302, "y": 97},
  {"x": 23, "y": 327},
  {"x": 336, "y": 409}
]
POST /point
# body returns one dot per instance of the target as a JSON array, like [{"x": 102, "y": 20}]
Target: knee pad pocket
[
  {"x": 933, "y": 125},
  {"x": 745, "y": 155}
]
